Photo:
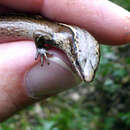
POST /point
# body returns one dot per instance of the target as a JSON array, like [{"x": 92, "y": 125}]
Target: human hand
[{"x": 109, "y": 23}]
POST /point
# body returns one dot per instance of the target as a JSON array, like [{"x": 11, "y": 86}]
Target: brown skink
[{"x": 79, "y": 45}]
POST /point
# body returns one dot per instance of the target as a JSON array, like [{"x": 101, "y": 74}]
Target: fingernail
[{"x": 48, "y": 80}]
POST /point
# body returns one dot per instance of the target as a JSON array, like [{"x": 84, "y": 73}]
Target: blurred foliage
[
  {"x": 124, "y": 3},
  {"x": 103, "y": 104}
]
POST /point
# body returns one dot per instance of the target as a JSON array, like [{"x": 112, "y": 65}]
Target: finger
[
  {"x": 22, "y": 79},
  {"x": 109, "y": 23},
  {"x": 25, "y": 5}
]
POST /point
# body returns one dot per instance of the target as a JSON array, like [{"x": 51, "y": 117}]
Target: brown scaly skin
[{"x": 44, "y": 32}]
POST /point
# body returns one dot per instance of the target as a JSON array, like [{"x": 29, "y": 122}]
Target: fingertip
[
  {"x": 109, "y": 23},
  {"x": 24, "y": 81}
]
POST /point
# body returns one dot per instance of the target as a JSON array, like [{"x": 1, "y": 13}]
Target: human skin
[{"x": 109, "y": 23}]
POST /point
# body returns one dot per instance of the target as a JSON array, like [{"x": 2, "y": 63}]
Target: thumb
[{"x": 23, "y": 81}]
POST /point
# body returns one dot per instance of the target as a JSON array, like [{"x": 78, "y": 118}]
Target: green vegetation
[{"x": 103, "y": 104}]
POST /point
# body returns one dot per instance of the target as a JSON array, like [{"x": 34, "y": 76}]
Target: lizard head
[
  {"x": 86, "y": 50},
  {"x": 81, "y": 48}
]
